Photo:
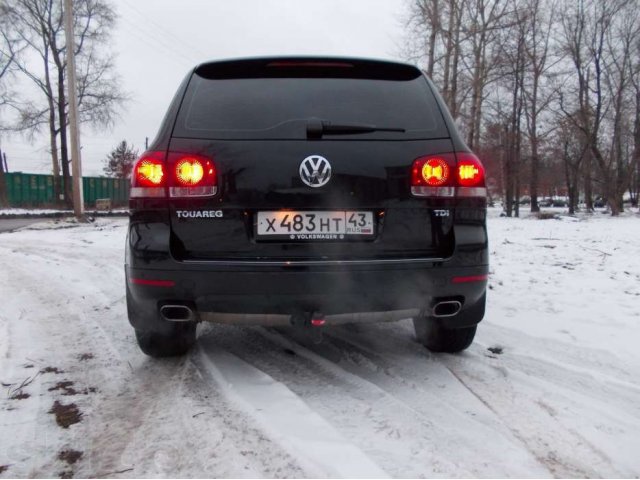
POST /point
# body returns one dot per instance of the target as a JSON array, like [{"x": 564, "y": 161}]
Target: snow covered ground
[{"x": 551, "y": 387}]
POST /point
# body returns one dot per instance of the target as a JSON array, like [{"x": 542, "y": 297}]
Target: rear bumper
[{"x": 283, "y": 292}]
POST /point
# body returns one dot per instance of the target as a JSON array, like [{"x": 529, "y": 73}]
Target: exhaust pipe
[
  {"x": 448, "y": 308},
  {"x": 177, "y": 313}
]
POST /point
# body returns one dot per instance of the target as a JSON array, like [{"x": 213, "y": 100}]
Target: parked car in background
[
  {"x": 306, "y": 192},
  {"x": 599, "y": 202}
]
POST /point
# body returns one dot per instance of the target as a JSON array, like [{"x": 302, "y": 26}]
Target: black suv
[{"x": 306, "y": 192}]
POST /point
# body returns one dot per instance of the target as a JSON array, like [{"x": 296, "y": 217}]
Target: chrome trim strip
[{"x": 304, "y": 263}]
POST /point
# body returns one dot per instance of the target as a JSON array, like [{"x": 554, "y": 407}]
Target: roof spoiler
[{"x": 308, "y": 67}]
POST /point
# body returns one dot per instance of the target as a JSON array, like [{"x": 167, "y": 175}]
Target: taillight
[
  {"x": 192, "y": 175},
  {"x": 448, "y": 175},
  {"x": 186, "y": 175},
  {"x": 148, "y": 177},
  {"x": 470, "y": 176},
  {"x": 432, "y": 176}
]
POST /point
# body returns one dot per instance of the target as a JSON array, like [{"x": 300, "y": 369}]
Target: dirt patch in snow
[
  {"x": 4, "y": 468},
  {"x": 85, "y": 356},
  {"x": 67, "y": 388},
  {"x": 19, "y": 396},
  {"x": 66, "y": 415},
  {"x": 70, "y": 456},
  {"x": 55, "y": 370}
]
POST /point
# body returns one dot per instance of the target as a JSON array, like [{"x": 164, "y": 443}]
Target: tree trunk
[
  {"x": 635, "y": 185},
  {"x": 453, "y": 93},
  {"x": 57, "y": 187},
  {"x": 448, "y": 54},
  {"x": 533, "y": 182},
  {"x": 435, "y": 20},
  {"x": 62, "y": 119},
  {"x": 4, "y": 200},
  {"x": 64, "y": 152},
  {"x": 588, "y": 181},
  {"x": 567, "y": 175},
  {"x": 607, "y": 180},
  {"x": 508, "y": 174},
  {"x": 533, "y": 137}
]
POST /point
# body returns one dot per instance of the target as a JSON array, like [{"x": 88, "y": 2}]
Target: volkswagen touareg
[{"x": 306, "y": 192}]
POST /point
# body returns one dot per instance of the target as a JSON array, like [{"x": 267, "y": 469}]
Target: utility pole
[{"x": 76, "y": 165}]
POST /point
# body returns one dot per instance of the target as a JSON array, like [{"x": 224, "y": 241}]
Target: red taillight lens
[
  {"x": 432, "y": 176},
  {"x": 435, "y": 172},
  {"x": 193, "y": 176},
  {"x": 148, "y": 178},
  {"x": 189, "y": 172},
  {"x": 470, "y": 176},
  {"x": 470, "y": 171},
  {"x": 448, "y": 175}
]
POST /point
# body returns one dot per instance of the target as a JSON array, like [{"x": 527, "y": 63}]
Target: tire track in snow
[
  {"x": 456, "y": 429},
  {"x": 288, "y": 419},
  {"x": 400, "y": 439},
  {"x": 527, "y": 430},
  {"x": 189, "y": 417}
]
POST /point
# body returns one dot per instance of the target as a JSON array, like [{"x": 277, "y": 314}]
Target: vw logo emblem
[{"x": 315, "y": 171}]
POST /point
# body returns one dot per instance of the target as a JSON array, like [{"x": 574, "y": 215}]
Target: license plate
[{"x": 327, "y": 225}]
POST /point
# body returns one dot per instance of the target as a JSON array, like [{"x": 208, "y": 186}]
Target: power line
[
  {"x": 164, "y": 29},
  {"x": 139, "y": 33}
]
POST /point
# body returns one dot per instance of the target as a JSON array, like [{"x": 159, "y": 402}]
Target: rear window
[{"x": 279, "y": 108}]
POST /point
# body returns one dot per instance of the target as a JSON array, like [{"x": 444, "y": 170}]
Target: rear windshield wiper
[{"x": 316, "y": 128}]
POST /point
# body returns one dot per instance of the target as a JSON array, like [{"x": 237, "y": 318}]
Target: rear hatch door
[{"x": 287, "y": 190}]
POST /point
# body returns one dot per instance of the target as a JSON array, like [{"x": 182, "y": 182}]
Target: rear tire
[
  {"x": 437, "y": 338},
  {"x": 173, "y": 341}
]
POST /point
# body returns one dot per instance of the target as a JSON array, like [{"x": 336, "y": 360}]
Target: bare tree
[
  {"x": 619, "y": 76},
  {"x": 99, "y": 97},
  {"x": 486, "y": 19},
  {"x": 539, "y": 22},
  {"x": 588, "y": 27},
  {"x": 634, "y": 189},
  {"x": 10, "y": 48},
  {"x": 522, "y": 73}
]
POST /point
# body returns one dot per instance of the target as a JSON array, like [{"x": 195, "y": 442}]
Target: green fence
[{"x": 31, "y": 190}]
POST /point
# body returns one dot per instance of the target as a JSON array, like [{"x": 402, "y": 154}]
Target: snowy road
[
  {"x": 10, "y": 224},
  {"x": 558, "y": 394}
]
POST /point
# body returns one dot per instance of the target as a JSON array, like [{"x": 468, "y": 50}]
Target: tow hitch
[{"x": 311, "y": 323}]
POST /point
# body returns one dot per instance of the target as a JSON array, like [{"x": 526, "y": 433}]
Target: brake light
[
  {"x": 189, "y": 172},
  {"x": 310, "y": 64},
  {"x": 148, "y": 178},
  {"x": 448, "y": 175},
  {"x": 431, "y": 176},
  {"x": 470, "y": 176},
  {"x": 435, "y": 172},
  {"x": 193, "y": 176}
]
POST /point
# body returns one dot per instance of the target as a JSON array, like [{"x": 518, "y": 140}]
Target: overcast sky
[{"x": 158, "y": 41}]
